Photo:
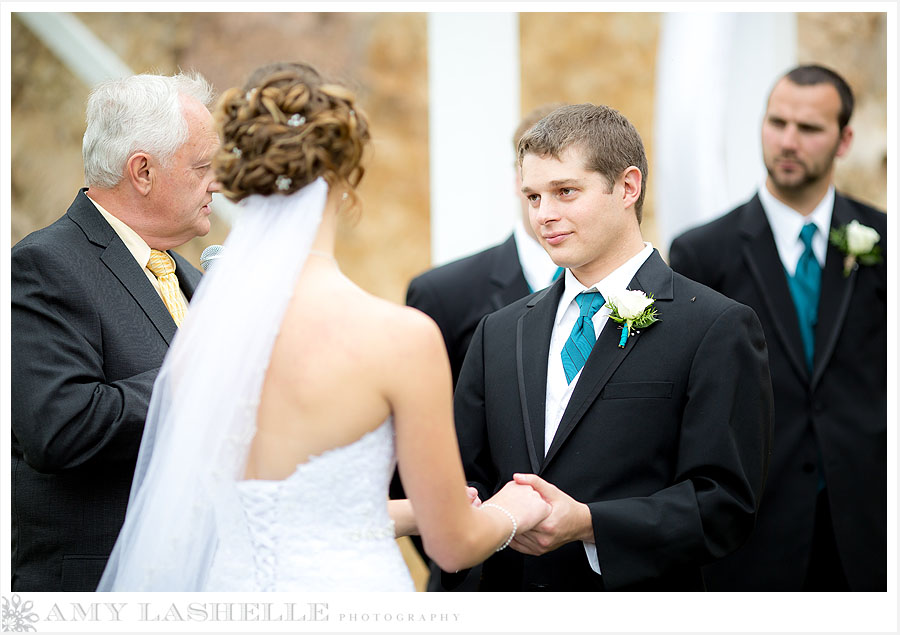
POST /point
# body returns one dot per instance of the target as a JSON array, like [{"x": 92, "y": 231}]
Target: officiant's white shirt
[{"x": 558, "y": 390}]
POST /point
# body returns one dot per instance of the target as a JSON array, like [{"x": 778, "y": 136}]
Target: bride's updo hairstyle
[{"x": 285, "y": 128}]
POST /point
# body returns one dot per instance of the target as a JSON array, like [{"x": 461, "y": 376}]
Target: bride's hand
[{"x": 524, "y": 503}]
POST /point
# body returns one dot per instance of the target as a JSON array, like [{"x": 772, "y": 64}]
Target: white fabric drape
[{"x": 714, "y": 72}]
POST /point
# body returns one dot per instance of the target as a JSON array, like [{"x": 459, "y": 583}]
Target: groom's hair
[{"x": 610, "y": 143}]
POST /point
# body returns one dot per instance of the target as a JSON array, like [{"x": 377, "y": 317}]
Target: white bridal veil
[{"x": 202, "y": 414}]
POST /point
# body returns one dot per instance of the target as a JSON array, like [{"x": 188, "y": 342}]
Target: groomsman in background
[
  {"x": 458, "y": 294},
  {"x": 811, "y": 262},
  {"x": 96, "y": 299}
]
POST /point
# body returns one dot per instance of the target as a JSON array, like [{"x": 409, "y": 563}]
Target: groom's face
[{"x": 576, "y": 214}]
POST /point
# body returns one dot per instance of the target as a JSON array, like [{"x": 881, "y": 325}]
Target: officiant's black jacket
[
  {"x": 89, "y": 333},
  {"x": 666, "y": 440},
  {"x": 842, "y": 404}
]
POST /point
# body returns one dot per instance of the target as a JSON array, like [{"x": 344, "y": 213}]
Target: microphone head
[{"x": 209, "y": 255}]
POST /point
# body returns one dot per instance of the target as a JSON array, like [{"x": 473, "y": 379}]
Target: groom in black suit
[
  {"x": 650, "y": 443},
  {"x": 91, "y": 323},
  {"x": 823, "y": 521}
]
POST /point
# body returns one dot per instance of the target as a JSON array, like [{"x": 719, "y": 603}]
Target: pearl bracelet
[{"x": 515, "y": 525}]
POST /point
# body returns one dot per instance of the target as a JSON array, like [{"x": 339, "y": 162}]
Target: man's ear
[
  {"x": 138, "y": 172},
  {"x": 631, "y": 180},
  {"x": 844, "y": 144}
]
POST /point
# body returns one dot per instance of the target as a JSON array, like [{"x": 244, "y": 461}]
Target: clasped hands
[{"x": 545, "y": 524}]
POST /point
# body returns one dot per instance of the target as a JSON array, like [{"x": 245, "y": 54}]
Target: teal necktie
[
  {"x": 805, "y": 285},
  {"x": 581, "y": 340}
]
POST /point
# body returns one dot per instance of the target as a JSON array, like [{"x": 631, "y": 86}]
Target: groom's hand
[{"x": 568, "y": 521}]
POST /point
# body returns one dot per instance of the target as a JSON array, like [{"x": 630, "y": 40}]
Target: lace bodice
[{"x": 324, "y": 528}]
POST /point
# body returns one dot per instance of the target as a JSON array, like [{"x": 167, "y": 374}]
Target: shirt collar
[
  {"x": 786, "y": 222},
  {"x": 610, "y": 286},
  {"x": 135, "y": 244}
]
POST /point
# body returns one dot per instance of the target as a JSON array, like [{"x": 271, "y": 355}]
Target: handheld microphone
[{"x": 209, "y": 255}]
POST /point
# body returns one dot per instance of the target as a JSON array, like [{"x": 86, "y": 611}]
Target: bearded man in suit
[
  {"x": 650, "y": 439},
  {"x": 823, "y": 306},
  {"x": 96, "y": 299}
]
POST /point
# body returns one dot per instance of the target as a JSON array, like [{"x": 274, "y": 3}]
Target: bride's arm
[
  {"x": 455, "y": 533},
  {"x": 401, "y": 513}
]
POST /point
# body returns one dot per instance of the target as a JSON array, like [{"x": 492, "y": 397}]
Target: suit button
[
  {"x": 808, "y": 468},
  {"x": 819, "y": 407}
]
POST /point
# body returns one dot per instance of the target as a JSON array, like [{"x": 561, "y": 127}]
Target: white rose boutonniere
[
  {"x": 632, "y": 309},
  {"x": 857, "y": 241}
]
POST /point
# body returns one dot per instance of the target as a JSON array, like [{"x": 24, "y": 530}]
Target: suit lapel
[
  {"x": 768, "y": 273},
  {"x": 834, "y": 300},
  {"x": 654, "y": 278},
  {"x": 533, "y": 331},
  {"x": 506, "y": 276},
  {"x": 121, "y": 263}
]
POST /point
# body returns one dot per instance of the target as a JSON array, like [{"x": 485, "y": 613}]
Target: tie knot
[
  {"x": 160, "y": 263},
  {"x": 807, "y": 233},
  {"x": 589, "y": 302}
]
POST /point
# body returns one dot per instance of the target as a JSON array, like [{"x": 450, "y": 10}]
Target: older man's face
[{"x": 183, "y": 189}]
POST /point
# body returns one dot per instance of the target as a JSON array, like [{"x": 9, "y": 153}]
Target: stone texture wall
[
  {"x": 603, "y": 58},
  {"x": 855, "y": 44}
]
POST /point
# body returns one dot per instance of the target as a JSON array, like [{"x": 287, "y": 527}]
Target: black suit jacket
[
  {"x": 89, "y": 334},
  {"x": 457, "y": 295},
  {"x": 666, "y": 440},
  {"x": 842, "y": 404}
]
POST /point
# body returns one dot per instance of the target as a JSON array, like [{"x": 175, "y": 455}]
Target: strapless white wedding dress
[{"x": 324, "y": 528}]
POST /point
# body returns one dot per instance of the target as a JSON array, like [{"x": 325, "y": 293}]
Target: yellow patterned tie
[{"x": 163, "y": 267}]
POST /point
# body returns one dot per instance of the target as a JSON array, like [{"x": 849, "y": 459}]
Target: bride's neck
[{"x": 324, "y": 240}]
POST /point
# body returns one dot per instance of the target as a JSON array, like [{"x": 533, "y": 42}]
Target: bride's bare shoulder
[{"x": 403, "y": 327}]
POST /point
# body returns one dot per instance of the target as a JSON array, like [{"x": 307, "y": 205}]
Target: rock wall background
[{"x": 383, "y": 56}]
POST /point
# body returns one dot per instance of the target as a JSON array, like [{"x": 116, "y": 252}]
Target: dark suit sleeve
[
  {"x": 64, "y": 411},
  {"x": 421, "y": 294},
  {"x": 723, "y": 452},
  {"x": 471, "y": 418}
]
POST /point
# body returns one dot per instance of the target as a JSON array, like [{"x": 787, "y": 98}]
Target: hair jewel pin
[
  {"x": 249, "y": 94},
  {"x": 236, "y": 152},
  {"x": 296, "y": 120},
  {"x": 283, "y": 183}
]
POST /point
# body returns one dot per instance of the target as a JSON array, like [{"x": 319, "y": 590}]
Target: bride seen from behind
[{"x": 289, "y": 391}]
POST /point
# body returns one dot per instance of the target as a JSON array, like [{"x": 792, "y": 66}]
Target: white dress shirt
[
  {"x": 537, "y": 267},
  {"x": 786, "y": 224},
  {"x": 559, "y": 391}
]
